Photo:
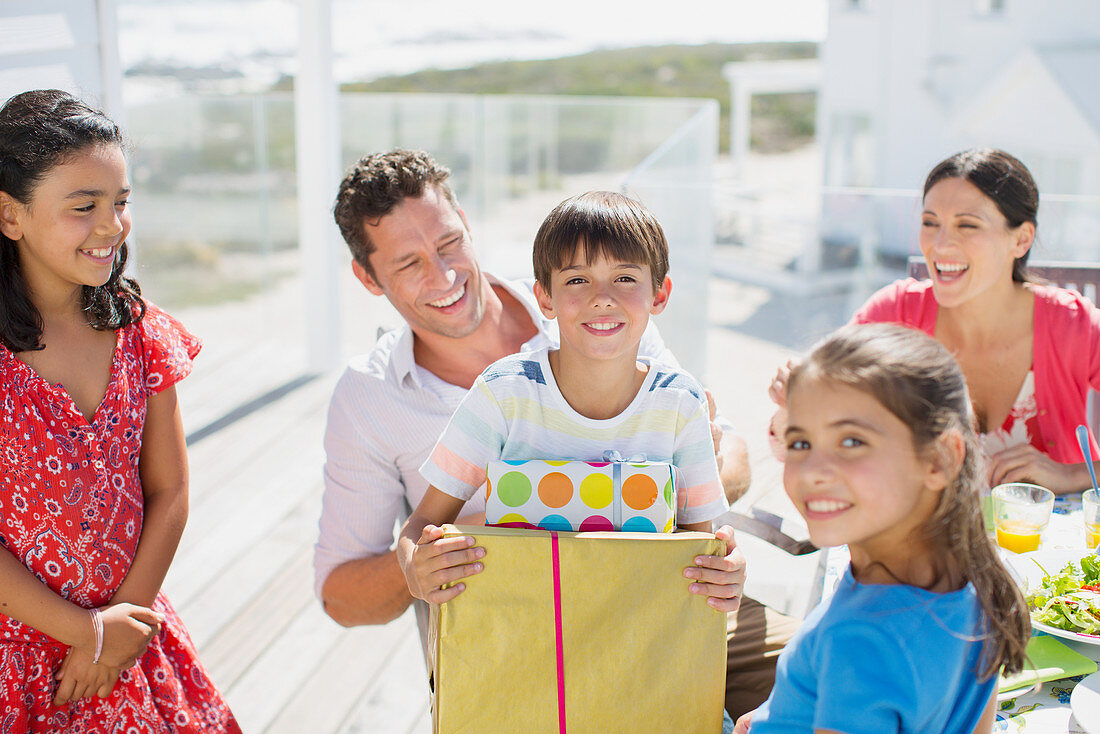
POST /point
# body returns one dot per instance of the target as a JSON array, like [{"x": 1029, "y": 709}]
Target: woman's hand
[
  {"x": 777, "y": 425},
  {"x": 719, "y": 578},
  {"x": 777, "y": 391},
  {"x": 1025, "y": 463},
  {"x": 743, "y": 723}
]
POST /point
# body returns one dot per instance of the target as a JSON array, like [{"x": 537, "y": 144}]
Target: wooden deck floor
[
  {"x": 242, "y": 579},
  {"x": 243, "y": 583}
]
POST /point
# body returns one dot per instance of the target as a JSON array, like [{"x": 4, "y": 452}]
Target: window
[
  {"x": 989, "y": 7},
  {"x": 849, "y": 152}
]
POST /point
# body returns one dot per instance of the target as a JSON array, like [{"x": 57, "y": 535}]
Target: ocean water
[{"x": 254, "y": 41}]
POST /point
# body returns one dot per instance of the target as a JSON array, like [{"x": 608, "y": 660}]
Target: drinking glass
[
  {"x": 1020, "y": 512},
  {"x": 1090, "y": 510}
]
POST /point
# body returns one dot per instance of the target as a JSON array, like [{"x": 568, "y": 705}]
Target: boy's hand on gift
[
  {"x": 437, "y": 561},
  {"x": 79, "y": 678},
  {"x": 743, "y": 724},
  {"x": 719, "y": 578}
]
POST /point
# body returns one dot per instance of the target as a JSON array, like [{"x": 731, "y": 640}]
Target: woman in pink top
[{"x": 1030, "y": 352}]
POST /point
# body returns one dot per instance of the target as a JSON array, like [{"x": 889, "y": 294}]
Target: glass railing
[
  {"x": 215, "y": 208},
  {"x": 816, "y": 230},
  {"x": 819, "y": 252},
  {"x": 676, "y": 181}
]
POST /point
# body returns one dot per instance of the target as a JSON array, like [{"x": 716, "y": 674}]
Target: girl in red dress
[{"x": 93, "y": 464}]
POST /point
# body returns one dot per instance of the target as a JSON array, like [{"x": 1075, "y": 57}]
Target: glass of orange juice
[
  {"x": 1090, "y": 509},
  {"x": 1020, "y": 512}
]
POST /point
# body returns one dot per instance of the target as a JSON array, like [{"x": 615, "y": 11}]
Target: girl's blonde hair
[{"x": 916, "y": 378}]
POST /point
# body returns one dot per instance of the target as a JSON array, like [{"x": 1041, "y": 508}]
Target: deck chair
[
  {"x": 781, "y": 533},
  {"x": 1083, "y": 277}
]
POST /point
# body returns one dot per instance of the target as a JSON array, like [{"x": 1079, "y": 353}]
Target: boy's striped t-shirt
[{"x": 516, "y": 411}]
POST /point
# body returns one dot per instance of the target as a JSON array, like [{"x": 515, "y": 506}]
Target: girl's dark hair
[
  {"x": 1005, "y": 180},
  {"x": 39, "y": 130},
  {"x": 916, "y": 378}
]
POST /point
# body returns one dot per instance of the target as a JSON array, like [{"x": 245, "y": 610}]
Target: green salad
[{"x": 1070, "y": 599}]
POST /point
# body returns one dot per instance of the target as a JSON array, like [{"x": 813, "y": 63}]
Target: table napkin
[{"x": 1047, "y": 659}]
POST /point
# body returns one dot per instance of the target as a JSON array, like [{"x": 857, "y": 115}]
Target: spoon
[{"x": 1083, "y": 440}]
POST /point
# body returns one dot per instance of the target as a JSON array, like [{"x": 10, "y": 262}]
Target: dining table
[{"x": 1045, "y": 708}]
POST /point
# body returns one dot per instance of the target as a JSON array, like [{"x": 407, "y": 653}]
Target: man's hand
[
  {"x": 743, "y": 723},
  {"x": 732, "y": 458},
  {"x": 715, "y": 429},
  {"x": 719, "y": 578},
  {"x": 437, "y": 561}
]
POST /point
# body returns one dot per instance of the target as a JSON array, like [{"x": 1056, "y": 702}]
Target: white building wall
[
  {"x": 910, "y": 65},
  {"x": 903, "y": 84},
  {"x": 51, "y": 43}
]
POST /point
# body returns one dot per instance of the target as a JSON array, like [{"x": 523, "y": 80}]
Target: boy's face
[{"x": 602, "y": 307}]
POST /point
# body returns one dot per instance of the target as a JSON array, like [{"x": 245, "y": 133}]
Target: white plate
[
  {"x": 1030, "y": 576},
  {"x": 1085, "y": 703},
  {"x": 1017, "y": 692}
]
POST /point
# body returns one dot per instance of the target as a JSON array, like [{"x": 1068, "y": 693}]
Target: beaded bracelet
[{"x": 97, "y": 625}]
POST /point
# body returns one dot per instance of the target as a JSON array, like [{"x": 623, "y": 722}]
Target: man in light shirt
[{"x": 410, "y": 243}]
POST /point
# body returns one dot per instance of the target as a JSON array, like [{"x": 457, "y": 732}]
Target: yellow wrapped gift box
[
  {"x": 569, "y": 633},
  {"x": 635, "y": 496}
]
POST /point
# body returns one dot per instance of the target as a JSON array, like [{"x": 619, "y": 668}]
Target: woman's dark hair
[
  {"x": 916, "y": 378},
  {"x": 39, "y": 130},
  {"x": 1005, "y": 180}
]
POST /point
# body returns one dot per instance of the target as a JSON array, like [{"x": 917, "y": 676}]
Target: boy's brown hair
[{"x": 600, "y": 223}]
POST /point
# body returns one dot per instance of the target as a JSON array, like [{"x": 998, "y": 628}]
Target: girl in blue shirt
[{"x": 881, "y": 456}]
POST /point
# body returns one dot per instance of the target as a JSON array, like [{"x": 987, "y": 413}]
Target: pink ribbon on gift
[{"x": 559, "y": 643}]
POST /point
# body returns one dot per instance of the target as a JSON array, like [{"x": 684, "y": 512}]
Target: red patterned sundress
[{"x": 71, "y": 509}]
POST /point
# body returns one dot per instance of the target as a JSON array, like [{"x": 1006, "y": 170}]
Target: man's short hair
[
  {"x": 600, "y": 223},
  {"x": 375, "y": 185}
]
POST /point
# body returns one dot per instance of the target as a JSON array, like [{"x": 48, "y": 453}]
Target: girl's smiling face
[
  {"x": 967, "y": 242},
  {"x": 853, "y": 473},
  {"x": 69, "y": 234}
]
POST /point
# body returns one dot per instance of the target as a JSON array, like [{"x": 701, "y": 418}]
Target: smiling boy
[{"x": 601, "y": 263}]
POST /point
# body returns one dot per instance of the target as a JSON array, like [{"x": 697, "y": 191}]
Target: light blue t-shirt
[{"x": 881, "y": 658}]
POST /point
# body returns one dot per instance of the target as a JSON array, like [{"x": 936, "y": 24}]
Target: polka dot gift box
[{"x": 583, "y": 496}]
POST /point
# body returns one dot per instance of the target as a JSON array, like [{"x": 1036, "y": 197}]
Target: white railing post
[
  {"x": 317, "y": 154},
  {"x": 110, "y": 67}
]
